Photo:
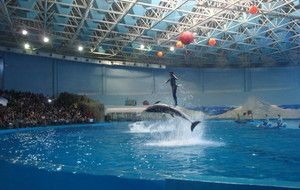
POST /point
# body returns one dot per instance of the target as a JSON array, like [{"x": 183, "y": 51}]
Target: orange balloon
[
  {"x": 160, "y": 54},
  {"x": 179, "y": 44},
  {"x": 212, "y": 42},
  {"x": 253, "y": 10},
  {"x": 186, "y": 37}
]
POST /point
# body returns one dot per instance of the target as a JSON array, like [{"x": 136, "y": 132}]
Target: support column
[
  {"x": 1, "y": 73},
  {"x": 154, "y": 84},
  {"x": 202, "y": 80},
  {"x": 247, "y": 80},
  {"x": 103, "y": 80},
  {"x": 54, "y": 78}
]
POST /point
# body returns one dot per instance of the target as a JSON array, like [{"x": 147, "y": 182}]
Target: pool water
[{"x": 160, "y": 150}]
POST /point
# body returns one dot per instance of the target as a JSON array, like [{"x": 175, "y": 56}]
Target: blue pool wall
[
  {"x": 17, "y": 177},
  {"x": 112, "y": 85}
]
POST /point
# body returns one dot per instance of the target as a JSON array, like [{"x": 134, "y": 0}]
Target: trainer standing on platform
[{"x": 174, "y": 86}]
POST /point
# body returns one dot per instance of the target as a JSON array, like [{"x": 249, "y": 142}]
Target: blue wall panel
[
  {"x": 228, "y": 80},
  {"x": 274, "y": 78},
  {"x": 79, "y": 78},
  {"x": 128, "y": 81},
  {"x": 28, "y": 73},
  {"x": 160, "y": 77},
  {"x": 190, "y": 80},
  {"x": 114, "y": 84}
]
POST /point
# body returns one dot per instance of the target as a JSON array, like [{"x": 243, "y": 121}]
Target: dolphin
[{"x": 163, "y": 108}]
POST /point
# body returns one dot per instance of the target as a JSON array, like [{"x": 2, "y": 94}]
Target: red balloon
[
  {"x": 160, "y": 54},
  {"x": 253, "y": 10},
  {"x": 212, "y": 42},
  {"x": 186, "y": 37},
  {"x": 179, "y": 44}
]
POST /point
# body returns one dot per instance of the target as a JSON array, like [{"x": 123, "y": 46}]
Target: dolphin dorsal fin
[{"x": 194, "y": 124}]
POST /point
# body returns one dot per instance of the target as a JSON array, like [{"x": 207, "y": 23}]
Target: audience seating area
[{"x": 28, "y": 110}]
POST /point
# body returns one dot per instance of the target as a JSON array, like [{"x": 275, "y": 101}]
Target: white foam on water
[
  {"x": 148, "y": 127},
  {"x": 172, "y": 133},
  {"x": 189, "y": 142}
]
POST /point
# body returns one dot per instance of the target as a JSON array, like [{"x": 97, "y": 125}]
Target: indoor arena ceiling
[{"x": 135, "y": 30}]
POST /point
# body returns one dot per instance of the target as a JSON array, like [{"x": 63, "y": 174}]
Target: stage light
[
  {"x": 172, "y": 48},
  {"x": 142, "y": 46},
  {"x": 80, "y": 48},
  {"x": 27, "y": 46},
  {"x": 24, "y": 32},
  {"x": 46, "y": 39}
]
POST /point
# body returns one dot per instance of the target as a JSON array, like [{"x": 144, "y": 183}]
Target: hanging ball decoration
[
  {"x": 186, "y": 37},
  {"x": 212, "y": 42},
  {"x": 253, "y": 10},
  {"x": 160, "y": 54},
  {"x": 179, "y": 44}
]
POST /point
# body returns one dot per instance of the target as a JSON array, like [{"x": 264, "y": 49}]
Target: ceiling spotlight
[
  {"x": 46, "y": 39},
  {"x": 172, "y": 48},
  {"x": 142, "y": 46},
  {"x": 24, "y": 32},
  {"x": 80, "y": 48},
  {"x": 26, "y": 46}
]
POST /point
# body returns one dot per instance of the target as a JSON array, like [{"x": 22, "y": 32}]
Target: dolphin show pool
[
  {"x": 151, "y": 155},
  {"x": 149, "y": 94}
]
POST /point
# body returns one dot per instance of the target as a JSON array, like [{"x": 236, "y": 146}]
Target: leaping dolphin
[{"x": 163, "y": 108}]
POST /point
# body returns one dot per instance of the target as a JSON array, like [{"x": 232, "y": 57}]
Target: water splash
[
  {"x": 186, "y": 96},
  {"x": 171, "y": 133},
  {"x": 149, "y": 127}
]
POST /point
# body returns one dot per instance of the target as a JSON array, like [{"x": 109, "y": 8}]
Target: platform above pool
[
  {"x": 123, "y": 113},
  {"x": 135, "y": 113},
  {"x": 124, "y": 109}
]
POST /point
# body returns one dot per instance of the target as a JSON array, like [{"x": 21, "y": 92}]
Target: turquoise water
[{"x": 159, "y": 150}]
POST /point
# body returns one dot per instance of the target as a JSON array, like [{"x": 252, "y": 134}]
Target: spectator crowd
[{"x": 28, "y": 109}]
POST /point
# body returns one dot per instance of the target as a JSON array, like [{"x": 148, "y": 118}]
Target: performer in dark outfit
[{"x": 172, "y": 81}]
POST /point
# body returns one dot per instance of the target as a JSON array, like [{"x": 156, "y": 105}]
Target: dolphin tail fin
[{"x": 194, "y": 124}]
